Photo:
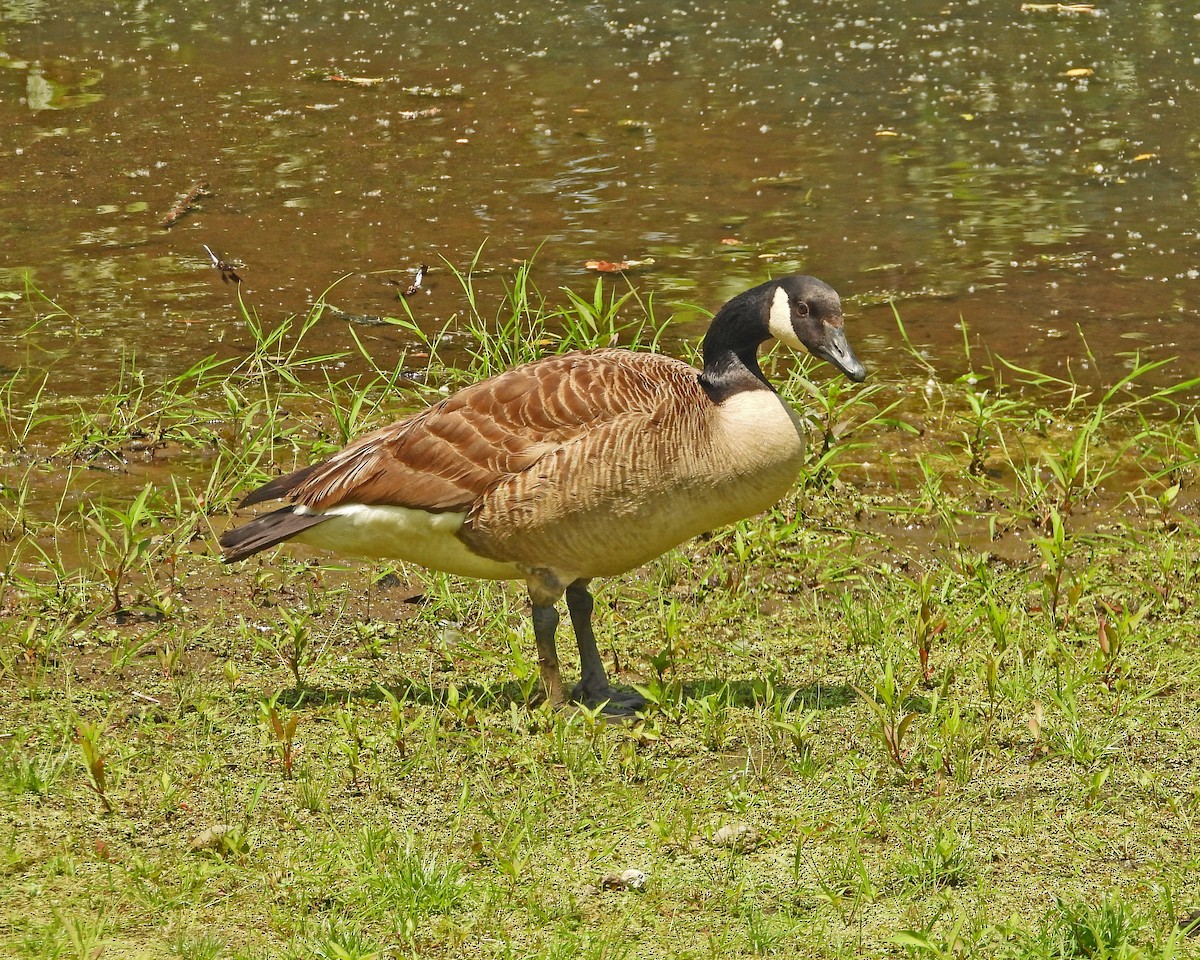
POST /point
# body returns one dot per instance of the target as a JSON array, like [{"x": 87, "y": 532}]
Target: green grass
[{"x": 944, "y": 695}]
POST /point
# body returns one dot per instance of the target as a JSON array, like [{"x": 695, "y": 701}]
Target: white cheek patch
[{"x": 780, "y": 321}]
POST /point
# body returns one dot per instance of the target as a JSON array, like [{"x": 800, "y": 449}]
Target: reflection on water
[
  {"x": 1025, "y": 171},
  {"x": 58, "y": 86}
]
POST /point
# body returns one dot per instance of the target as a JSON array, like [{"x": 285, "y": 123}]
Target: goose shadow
[{"x": 501, "y": 696}]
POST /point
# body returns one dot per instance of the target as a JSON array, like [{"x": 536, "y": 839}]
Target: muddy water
[{"x": 1027, "y": 170}]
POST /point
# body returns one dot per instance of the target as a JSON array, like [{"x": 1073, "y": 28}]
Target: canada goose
[{"x": 571, "y": 467}]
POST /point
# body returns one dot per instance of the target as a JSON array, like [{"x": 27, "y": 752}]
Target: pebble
[
  {"x": 212, "y": 838},
  {"x": 740, "y": 837},
  {"x": 623, "y": 880}
]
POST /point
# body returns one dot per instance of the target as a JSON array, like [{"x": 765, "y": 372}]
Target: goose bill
[{"x": 836, "y": 350}]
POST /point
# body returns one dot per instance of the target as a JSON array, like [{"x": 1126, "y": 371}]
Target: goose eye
[{"x": 801, "y": 308}]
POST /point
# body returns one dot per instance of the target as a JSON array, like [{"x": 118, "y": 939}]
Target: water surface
[{"x": 1027, "y": 171}]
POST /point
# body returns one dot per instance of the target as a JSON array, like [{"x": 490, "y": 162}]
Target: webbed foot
[{"x": 613, "y": 701}]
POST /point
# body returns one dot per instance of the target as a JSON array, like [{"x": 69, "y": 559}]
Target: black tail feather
[
  {"x": 266, "y": 531},
  {"x": 280, "y": 487}
]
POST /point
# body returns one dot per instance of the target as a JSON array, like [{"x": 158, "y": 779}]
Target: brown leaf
[
  {"x": 1036, "y": 720},
  {"x": 608, "y": 266}
]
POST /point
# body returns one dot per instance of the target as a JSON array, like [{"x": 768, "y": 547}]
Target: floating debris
[
  {"x": 453, "y": 90},
  {"x": 1060, "y": 8},
  {"x": 784, "y": 181},
  {"x": 357, "y": 81},
  {"x": 418, "y": 114},
  {"x": 185, "y": 203},
  {"x": 619, "y": 266},
  {"x": 365, "y": 319}
]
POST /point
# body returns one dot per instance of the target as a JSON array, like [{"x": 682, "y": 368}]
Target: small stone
[
  {"x": 625, "y": 880},
  {"x": 740, "y": 837},
  {"x": 212, "y": 838}
]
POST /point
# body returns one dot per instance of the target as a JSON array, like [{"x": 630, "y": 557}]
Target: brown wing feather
[
  {"x": 448, "y": 456},
  {"x": 604, "y": 483}
]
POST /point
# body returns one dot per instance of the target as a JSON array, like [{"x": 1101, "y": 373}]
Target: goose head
[
  {"x": 799, "y": 311},
  {"x": 807, "y": 312}
]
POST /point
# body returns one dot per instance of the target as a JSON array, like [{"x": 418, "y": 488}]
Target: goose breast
[{"x": 655, "y": 473}]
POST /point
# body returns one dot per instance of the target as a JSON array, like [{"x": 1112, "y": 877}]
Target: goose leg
[
  {"x": 593, "y": 687},
  {"x": 545, "y": 622},
  {"x": 592, "y": 678}
]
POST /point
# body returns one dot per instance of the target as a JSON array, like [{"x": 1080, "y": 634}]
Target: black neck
[{"x": 731, "y": 352}]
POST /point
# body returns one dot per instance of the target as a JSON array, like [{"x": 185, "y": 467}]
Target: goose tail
[{"x": 266, "y": 531}]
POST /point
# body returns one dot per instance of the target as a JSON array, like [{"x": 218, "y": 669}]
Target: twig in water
[{"x": 185, "y": 203}]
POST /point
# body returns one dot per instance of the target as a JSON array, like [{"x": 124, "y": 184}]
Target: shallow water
[{"x": 1026, "y": 171}]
